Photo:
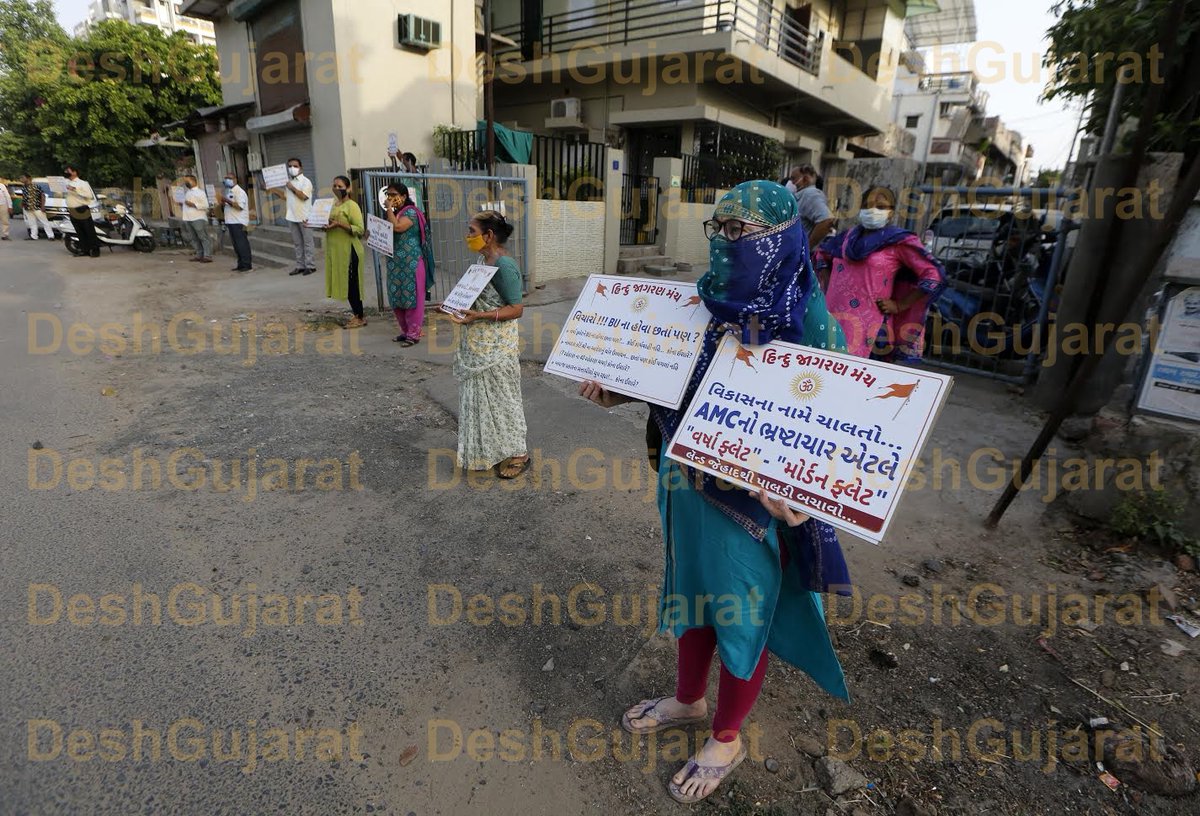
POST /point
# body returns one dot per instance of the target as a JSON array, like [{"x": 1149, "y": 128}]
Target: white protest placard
[
  {"x": 318, "y": 216},
  {"x": 464, "y": 293},
  {"x": 379, "y": 235},
  {"x": 179, "y": 193},
  {"x": 637, "y": 337},
  {"x": 393, "y": 144},
  {"x": 275, "y": 176},
  {"x": 835, "y": 436},
  {"x": 57, "y": 184}
]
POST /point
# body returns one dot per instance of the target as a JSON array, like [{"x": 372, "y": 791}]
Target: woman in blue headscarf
[{"x": 742, "y": 572}]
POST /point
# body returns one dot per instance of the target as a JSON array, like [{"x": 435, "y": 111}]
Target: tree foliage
[
  {"x": 87, "y": 100},
  {"x": 1093, "y": 38}
]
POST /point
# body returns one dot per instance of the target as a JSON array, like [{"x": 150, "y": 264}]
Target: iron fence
[
  {"x": 698, "y": 183},
  {"x": 1004, "y": 251},
  {"x": 448, "y": 201},
  {"x": 639, "y": 210},
  {"x": 567, "y": 170}
]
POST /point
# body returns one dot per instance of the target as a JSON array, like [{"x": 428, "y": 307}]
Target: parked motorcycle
[{"x": 116, "y": 228}]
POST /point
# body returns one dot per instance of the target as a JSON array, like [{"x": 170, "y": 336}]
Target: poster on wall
[{"x": 1172, "y": 383}]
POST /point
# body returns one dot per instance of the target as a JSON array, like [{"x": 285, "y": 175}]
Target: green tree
[
  {"x": 1092, "y": 38},
  {"x": 1048, "y": 178},
  {"x": 23, "y": 22},
  {"x": 87, "y": 100}
]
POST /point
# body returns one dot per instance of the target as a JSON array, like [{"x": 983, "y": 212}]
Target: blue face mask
[{"x": 228, "y": 184}]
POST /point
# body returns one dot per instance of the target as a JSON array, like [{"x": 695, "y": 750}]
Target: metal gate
[
  {"x": 1005, "y": 250},
  {"x": 639, "y": 210},
  {"x": 448, "y": 201}
]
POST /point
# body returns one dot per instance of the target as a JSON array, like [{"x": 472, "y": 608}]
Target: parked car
[{"x": 969, "y": 232}]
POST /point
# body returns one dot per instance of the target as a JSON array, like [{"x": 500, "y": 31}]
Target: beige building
[
  {"x": 708, "y": 78},
  {"x": 162, "y": 14},
  {"x": 328, "y": 82}
]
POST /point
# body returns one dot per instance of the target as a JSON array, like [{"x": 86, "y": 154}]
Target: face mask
[
  {"x": 873, "y": 218},
  {"x": 293, "y": 171},
  {"x": 228, "y": 184},
  {"x": 476, "y": 243},
  {"x": 340, "y": 192}
]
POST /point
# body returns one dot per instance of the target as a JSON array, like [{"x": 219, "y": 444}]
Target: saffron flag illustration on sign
[{"x": 812, "y": 427}]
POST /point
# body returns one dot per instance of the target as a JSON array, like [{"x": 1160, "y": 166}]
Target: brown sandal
[{"x": 505, "y": 470}]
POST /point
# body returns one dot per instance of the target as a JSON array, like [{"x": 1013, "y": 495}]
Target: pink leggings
[
  {"x": 410, "y": 320},
  {"x": 735, "y": 697}
]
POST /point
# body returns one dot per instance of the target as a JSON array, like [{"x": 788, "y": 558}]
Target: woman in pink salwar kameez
[{"x": 881, "y": 282}]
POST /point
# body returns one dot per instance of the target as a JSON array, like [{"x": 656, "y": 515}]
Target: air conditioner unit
[
  {"x": 835, "y": 145},
  {"x": 418, "y": 32},
  {"x": 567, "y": 108}
]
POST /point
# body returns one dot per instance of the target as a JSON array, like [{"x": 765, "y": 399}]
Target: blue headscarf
[
  {"x": 861, "y": 242},
  {"x": 763, "y": 287}
]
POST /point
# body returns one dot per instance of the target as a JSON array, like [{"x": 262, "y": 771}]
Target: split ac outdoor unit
[
  {"x": 567, "y": 108},
  {"x": 418, "y": 32}
]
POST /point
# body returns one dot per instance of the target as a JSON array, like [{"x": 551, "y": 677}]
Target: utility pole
[{"x": 489, "y": 101}]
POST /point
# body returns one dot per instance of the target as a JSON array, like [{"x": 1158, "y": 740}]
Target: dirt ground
[{"x": 937, "y": 641}]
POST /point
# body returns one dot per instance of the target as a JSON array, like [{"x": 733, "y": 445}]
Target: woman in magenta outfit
[{"x": 881, "y": 281}]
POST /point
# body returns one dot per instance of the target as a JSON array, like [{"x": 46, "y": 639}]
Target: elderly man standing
[
  {"x": 195, "y": 219},
  {"x": 237, "y": 218},
  {"x": 811, "y": 204},
  {"x": 6, "y": 211},
  {"x": 33, "y": 204},
  {"x": 79, "y": 205}
]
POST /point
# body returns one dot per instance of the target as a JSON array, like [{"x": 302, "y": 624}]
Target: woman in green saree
[
  {"x": 723, "y": 543},
  {"x": 491, "y": 417}
]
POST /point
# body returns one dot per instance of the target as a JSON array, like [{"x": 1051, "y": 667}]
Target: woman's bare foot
[
  {"x": 644, "y": 716},
  {"x": 695, "y": 786}
]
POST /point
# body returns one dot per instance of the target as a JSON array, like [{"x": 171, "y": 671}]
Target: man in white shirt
[
  {"x": 298, "y": 193},
  {"x": 6, "y": 211},
  {"x": 195, "y": 219},
  {"x": 79, "y": 206},
  {"x": 237, "y": 218}
]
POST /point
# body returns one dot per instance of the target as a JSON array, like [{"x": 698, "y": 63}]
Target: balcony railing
[
  {"x": 621, "y": 22},
  {"x": 961, "y": 82}
]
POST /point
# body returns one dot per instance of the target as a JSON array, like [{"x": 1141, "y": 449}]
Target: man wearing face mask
[
  {"x": 195, "y": 219},
  {"x": 298, "y": 193},
  {"x": 881, "y": 281},
  {"x": 237, "y": 218}
]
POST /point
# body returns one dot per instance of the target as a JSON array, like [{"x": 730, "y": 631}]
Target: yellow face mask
[{"x": 476, "y": 243}]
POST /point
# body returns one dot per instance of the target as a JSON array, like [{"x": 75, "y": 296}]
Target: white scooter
[{"x": 117, "y": 228}]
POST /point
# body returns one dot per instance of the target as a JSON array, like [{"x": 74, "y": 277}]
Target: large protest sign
[
  {"x": 466, "y": 291},
  {"x": 1172, "y": 383},
  {"x": 379, "y": 235},
  {"x": 275, "y": 176},
  {"x": 637, "y": 337},
  {"x": 835, "y": 436}
]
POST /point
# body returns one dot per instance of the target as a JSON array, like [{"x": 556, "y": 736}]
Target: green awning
[
  {"x": 512, "y": 146},
  {"x": 916, "y": 7}
]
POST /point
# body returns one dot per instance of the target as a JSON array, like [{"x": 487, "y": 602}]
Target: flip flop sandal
[
  {"x": 510, "y": 463},
  {"x": 694, "y": 770},
  {"x": 660, "y": 723}
]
